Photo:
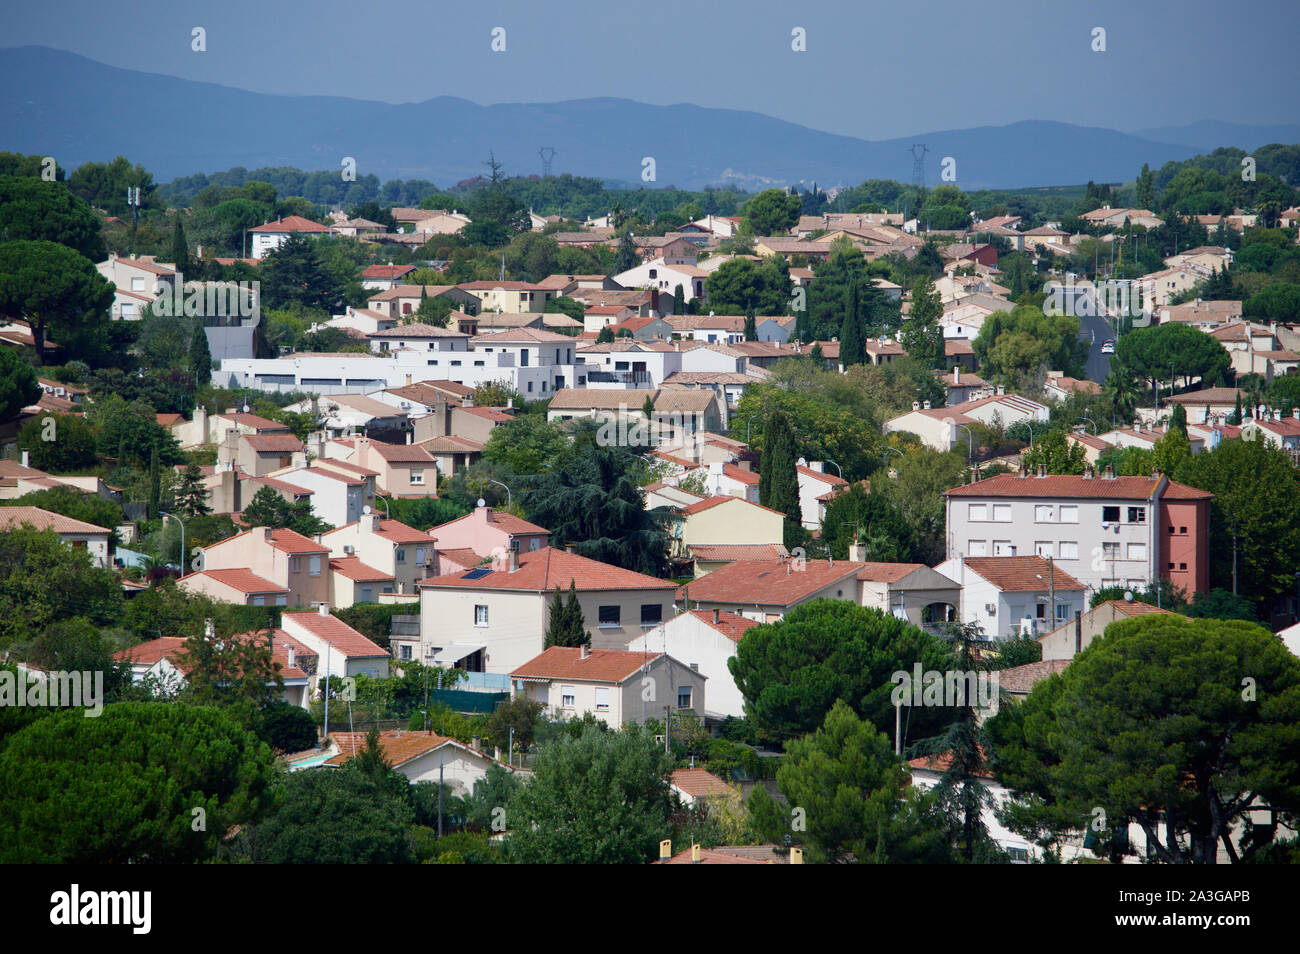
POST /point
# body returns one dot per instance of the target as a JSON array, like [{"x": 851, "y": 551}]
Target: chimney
[
  {"x": 1001, "y": 390},
  {"x": 716, "y": 614},
  {"x": 514, "y": 560},
  {"x": 584, "y": 651},
  {"x": 324, "y": 609},
  {"x": 925, "y": 405},
  {"x": 476, "y": 743},
  {"x": 916, "y": 405},
  {"x": 665, "y": 849},
  {"x": 858, "y": 552},
  {"x": 956, "y": 375},
  {"x": 1109, "y": 473},
  {"x": 291, "y": 656},
  {"x": 26, "y": 458},
  {"x": 266, "y": 534}
]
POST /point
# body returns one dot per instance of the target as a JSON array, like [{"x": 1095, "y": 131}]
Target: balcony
[{"x": 627, "y": 378}]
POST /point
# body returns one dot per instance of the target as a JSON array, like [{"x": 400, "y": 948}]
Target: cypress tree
[
  {"x": 751, "y": 326},
  {"x": 180, "y": 250},
  {"x": 679, "y": 300},
  {"x": 155, "y": 484},
  {"x": 200, "y": 355},
  {"x": 779, "y": 468},
  {"x": 852, "y": 347}
]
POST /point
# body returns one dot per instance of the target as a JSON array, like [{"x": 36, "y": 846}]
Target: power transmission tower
[
  {"x": 548, "y": 156},
  {"x": 918, "y": 164},
  {"x": 918, "y": 174}
]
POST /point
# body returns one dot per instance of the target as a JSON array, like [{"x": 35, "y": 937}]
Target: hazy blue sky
[{"x": 871, "y": 69}]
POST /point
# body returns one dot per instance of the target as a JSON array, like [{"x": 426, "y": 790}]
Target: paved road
[{"x": 1097, "y": 330}]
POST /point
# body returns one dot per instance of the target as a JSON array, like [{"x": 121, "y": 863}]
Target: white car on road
[{"x": 1108, "y": 346}]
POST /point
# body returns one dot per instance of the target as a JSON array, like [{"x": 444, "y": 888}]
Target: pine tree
[
  {"x": 816, "y": 354},
  {"x": 191, "y": 495}
]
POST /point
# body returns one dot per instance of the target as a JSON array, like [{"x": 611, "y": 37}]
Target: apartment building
[{"x": 1101, "y": 529}]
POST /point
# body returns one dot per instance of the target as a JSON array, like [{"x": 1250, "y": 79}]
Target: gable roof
[
  {"x": 246, "y": 581},
  {"x": 599, "y": 665},
  {"x": 762, "y": 583},
  {"x": 699, "y": 783},
  {"x": 11, "y": 517},
  {"x": 290, "y": 223},
  {"x": 542, "y": 570},
  {"x": 342, "y": 637},
  {"x": 1022, "y": 573},
  {"x": 399, "y": 746},
  {"x": 729, "y": 624}
]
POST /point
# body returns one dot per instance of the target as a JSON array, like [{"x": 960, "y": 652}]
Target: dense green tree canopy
[
  {"x": 18, "y": 385},
  {"x": 590, "y": 499},
  {"x": 600, "y": 798},
  {"x": 34, "y": 210},
  {"x": 856, "y": 796},
  {"x": 144, "y": 782},
  {"x": 57, "y": 290},
  {"x": 335, "y": 816},
  {"x": 1178, "y": 725},
  {"x": 792, "y": 671}
]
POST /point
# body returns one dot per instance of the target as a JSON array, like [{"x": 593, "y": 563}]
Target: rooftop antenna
[{"x": 548, "y": 156}]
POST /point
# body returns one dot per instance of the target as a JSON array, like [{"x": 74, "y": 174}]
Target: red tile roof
[
  {"x": 699, "y": 783},
  {"x": 337, "y": 633},
  {"x": 730, "y": 625},
  {"x": 387, "y": 271},
  {"x": 600, "y": 665},
  {"x": 255, "y": 422},
  {"x": 401, "y": 453},
  {"x": 754, "y": 582},
  {"x": 1021, "y": 679},
  {"x": 730, "y": 552},
  {"x": 1021, "y": 573},
  {"x": 497, "y": 414},
  {"x": 545, "y": 569},
  {"x": 273, "y": 443},
  {"x": 818, "y": 475},
  {"x": 11, "y": 517},
  {"x": 246, "y": 581},
  {"x": 1075, "y": 487},
  {"x": 500, "y": 519},
  {"x": 708, "y": 503},
  {"x": 887, "y": 572},
  {"x": 354, "y": 569},
  {"x": 291, "y": 223},
  {"x": 399, "y": 745}
]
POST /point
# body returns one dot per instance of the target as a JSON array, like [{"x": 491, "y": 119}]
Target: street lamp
[
  {"x": 1092, "y": 422},
  {"x": 509, "y": 505},
  {"x": 182, "y": 523},
  {"x": 387, "y": 515},
  {"x": 837, "y": 468}
]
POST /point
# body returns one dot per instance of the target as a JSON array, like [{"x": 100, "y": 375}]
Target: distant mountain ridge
[{"x": 76, "y": 109}]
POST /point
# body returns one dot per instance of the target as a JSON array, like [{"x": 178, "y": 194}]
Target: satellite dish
[
  {"x": 1128, "y": 596},
  {"x": 482, "y": 502},
  {"x": 366, "y": 509}
]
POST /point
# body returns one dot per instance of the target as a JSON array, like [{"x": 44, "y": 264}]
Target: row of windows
[
  {"x": 569, "y": 698},
  {"x": 652, "y": 614},
  {"x": 1062, "y": 550},
  {"x": 1050, "y": 513}
]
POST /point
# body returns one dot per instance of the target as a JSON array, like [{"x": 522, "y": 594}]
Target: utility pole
[
  {"x": 1051, "y": 593},
  {"x": 440, "y": 764},
  {"x": 327, "y": 691}
]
